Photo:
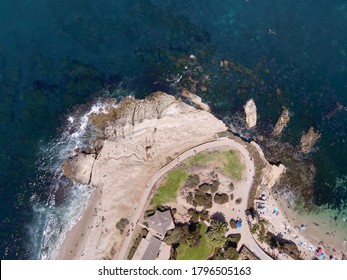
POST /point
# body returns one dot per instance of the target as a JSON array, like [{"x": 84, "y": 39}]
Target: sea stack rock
[
  {"x": 251, "y": 113},
  {"x": 281, "y": 123},
  {"x": 308, "y": 140},
  {"x": 196, "y": 100}
]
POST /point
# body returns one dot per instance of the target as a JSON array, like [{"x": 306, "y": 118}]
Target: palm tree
[{"x": 216, "y": 232}]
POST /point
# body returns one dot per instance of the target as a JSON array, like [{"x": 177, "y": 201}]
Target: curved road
[{"x": 224, "y": 142}]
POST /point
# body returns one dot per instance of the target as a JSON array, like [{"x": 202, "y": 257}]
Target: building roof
[
  {"x": 152, "y": 249},
  {"x": 160, "y": 222}
]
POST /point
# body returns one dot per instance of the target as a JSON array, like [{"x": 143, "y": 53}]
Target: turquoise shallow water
[{"x": 57, "y": 54}]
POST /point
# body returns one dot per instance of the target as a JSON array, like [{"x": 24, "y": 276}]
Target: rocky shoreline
[{"x": 135, "y": 138}]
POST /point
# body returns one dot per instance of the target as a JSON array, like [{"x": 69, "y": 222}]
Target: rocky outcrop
[
  {"x": 308, "y": 140},
  {"x": 271, "y": 173},
  {"x": 251, "y": 113},
  {"x": 297, "y": 182},
  {"x": 281, "y": 123},
  {"x": 196, "y": 100},
  {"x": 138, "y": 136},
  {"x": 338, "y": 107},
  {"x": 130, "y": 111},
  {"x": 79, "y": 167}
]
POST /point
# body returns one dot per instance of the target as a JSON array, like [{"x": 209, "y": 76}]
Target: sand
[{"x": 308, "y": 231}]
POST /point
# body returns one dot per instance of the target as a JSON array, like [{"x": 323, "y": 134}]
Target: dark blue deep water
[{"x": 55, "y": 54}]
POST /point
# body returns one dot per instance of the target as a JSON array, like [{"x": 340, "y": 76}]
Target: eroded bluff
[{"x": 135, "y": 139}]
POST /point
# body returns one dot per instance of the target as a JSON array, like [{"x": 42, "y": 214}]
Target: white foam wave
[
  {"x": 58, "y": 220},
  {"x": 52, "y": 221}
]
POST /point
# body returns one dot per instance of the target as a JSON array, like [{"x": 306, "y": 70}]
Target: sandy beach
[{"x": 308, "y": 231}]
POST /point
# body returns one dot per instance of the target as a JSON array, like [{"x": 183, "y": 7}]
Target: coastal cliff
[
  {"x": 135, "y": 138},
  {"x": 79, "y": 167},
  {"x": 196, "y": 100},
  {"x": 271, "y": 173}
]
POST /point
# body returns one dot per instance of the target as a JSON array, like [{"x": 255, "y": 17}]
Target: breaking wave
[{"x": 64, "y": 200}]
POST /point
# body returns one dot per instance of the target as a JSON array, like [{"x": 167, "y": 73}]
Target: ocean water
[{"x": 56, "y": 55}]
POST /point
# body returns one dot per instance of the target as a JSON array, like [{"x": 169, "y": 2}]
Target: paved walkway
[{"x": 246, "y": 237}]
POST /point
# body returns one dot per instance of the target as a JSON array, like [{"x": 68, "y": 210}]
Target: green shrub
[
  {"x": 194, "y": 215},
  {"x": 238, "y": 201},
  {"x": 254, "y": 228},
  {"x": 190, "y": 198},
  {"x": 169, "y": 159},
  {"x": 221, "y": 198},
  {"x": 144, "y": 232},
  {"x": 162, "y": 208},
  {"x": 205, "y": 187},
  {"x": 131, "y": 253},
  {"x": 174, "y": 236},
  {"x": 149, "y": 212},
  {"x": 234, "y": 237},
  {"x": 134, "y": 247},
  {"x": 286, "y": 246},
  {"x": 122, "y": 224},
  {"x": 193, "y": 238},
  {"x": 193, "y": 181},
  {"x": 214, "y": 175},
  {"x": 231, "y": 254},
  {"x": 214, "y": 186},
  {"x": 204, "y": 215},
  {"x": 204, "y": 200}
]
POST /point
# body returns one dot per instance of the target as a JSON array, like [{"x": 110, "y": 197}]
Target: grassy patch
[
  {"x": 228, "y": 162},
  {"x": 202, "y": 252},
  {"x": 167, "y": 191},
  {"x": 233, "y": 166},
  {"x": 203, "y": 158}
]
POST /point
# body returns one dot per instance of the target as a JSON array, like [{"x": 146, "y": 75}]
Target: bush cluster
[
  {"x": 193, "y": 181},
  {"x": 202, "y": 199},
  {"x": 221, "y": 198},
  {"x": 122, "y": 224}
]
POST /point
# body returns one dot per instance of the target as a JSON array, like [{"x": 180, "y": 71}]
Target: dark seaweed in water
[
  {"x": 55, "y": 54},
  {"x": 297, "y": 184}
]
